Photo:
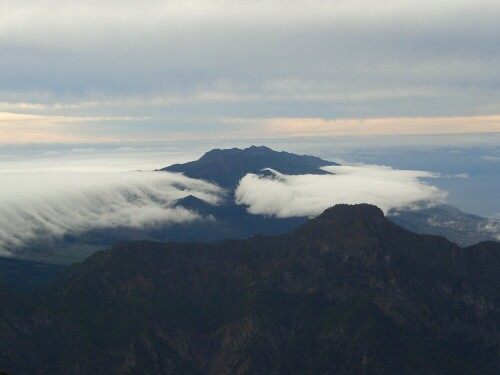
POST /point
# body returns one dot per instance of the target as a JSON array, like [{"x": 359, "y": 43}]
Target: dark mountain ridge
[
  {"x": 349, "y": 292},
  {"x": 227, "y": 167},
  {"x": 27, "y": 275},
  {"x": 448, "y": 221}
]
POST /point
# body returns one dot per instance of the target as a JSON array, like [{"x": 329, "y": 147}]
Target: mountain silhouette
[
  {"x": 348, "y": 292},
  {"x": 227, "y": 167}
]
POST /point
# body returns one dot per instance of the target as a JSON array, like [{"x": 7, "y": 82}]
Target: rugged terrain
[
  {"x": 349, "y": 292},
  {"x": 448, "y": 221}
]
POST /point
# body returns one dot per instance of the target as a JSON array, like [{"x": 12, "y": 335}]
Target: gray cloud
[
  {"x": 178, "y": 60},
  {"x": 308, "y": 195}
]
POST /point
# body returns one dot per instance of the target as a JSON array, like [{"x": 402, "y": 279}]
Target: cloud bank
[
  {"x": 308, "y": 195},
  {"x": 45, "y": 206},
  {"x": 101, "y": 70}
]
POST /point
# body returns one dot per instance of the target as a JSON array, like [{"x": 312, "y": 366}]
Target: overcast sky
[{"x": 88, "y": 70}]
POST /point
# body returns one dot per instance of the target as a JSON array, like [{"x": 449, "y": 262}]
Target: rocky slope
[
  {"x": 27, "y": 276},
  {"x": 448, "y": 221},
  {"x": 349, "y": 292}
]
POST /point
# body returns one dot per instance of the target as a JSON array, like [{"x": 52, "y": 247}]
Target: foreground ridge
[{"x": 348, "y": 292}]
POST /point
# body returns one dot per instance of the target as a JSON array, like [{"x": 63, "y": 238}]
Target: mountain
[
  {"x": 227, "y": 167},
  {"x": 27, "y": 275},
  {"x": 448, "y": 221},
  {"x": 25, "y": 334},
  {"x": 226, "y": 220},
  {"x": 348, "y": 292},
  {"x": 229, "y": 220}
]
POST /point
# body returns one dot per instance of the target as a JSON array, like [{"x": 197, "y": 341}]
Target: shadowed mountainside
[
  {"x": 227, "y": 167},
  {"x": 27, "y": 275},
  {"x": 349, "y": 292},
  {"x": 448, "y": 221}
]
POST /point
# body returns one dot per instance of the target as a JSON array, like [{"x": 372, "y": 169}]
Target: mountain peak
[
  {"x": 253, "y": 147},
  {"x": 344, "y": 212},
  {"x": 231, "y": 152},
  {"x": 227, "y": 167},
  {"x": 349, "y": 229}
]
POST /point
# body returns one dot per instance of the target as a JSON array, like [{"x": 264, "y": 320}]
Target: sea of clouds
[
  {"x": 52, "y": 191},
  {"x": 49, "y": 205}
]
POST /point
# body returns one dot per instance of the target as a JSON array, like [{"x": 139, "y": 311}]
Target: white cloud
[
  {"x": 463, "y": 176},
  {"x": 308, "y": 195},
  {"x": 490, "y": 226},
  {"x": 491, "y": 158},
  {"x": 45, "y": 205}
]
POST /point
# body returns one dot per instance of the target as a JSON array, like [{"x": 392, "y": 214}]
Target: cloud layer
[
  {"x": 41, "y": 206},
  {"x": 308, "y": 195},
  {"x": 98, "y": 70}
]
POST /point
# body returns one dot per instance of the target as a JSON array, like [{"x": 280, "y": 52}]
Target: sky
[{"x": 108, "y": 71}]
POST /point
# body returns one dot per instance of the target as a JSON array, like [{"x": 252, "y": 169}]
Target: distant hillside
[
  {"x": 27, "y": 275},
  {"x": 448, "y": 221},
  {"x": 228, "y": 167},
  {"x": 349, "y": 292}
]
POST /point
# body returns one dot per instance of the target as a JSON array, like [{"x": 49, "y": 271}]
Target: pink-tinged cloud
[{"x": 372, "y": 126}]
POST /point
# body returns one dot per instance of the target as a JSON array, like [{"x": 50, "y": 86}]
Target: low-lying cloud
[
  {"x": 308, "y": 195},
  {"x": 40, "y": 206},
  {"x": 490, "y": 226}
]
